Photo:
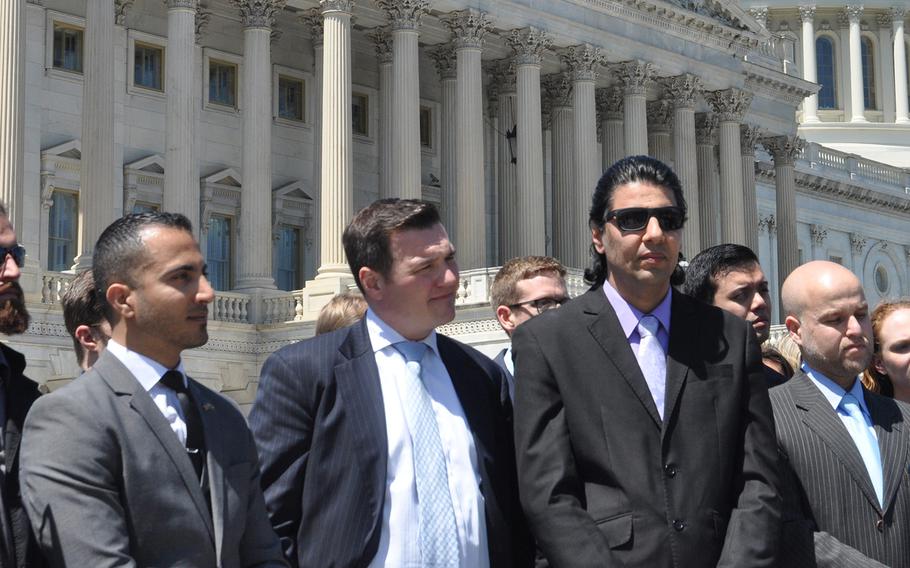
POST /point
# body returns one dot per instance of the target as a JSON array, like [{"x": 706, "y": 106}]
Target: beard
[{"x": 14, "y": 316}]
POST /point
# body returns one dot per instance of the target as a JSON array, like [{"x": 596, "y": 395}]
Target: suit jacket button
[
  {"x": 670, "y": 469},
  {"x": 880, "y": 525},
  {"x": 679, "y": 524}
]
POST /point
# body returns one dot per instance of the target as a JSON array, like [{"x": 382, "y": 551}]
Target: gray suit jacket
[
  {"x": 831, "y": 514},
  {"x": 107, "y": 483}
]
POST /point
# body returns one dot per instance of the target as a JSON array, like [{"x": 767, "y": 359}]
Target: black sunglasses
[
  {"x": 17, "y": 252},
  {"x": 541, "y": 304},
  {"x": 636, "y": 218}
]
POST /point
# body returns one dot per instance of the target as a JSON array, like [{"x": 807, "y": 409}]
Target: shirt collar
[
  {"x": 629, "y": 315},
  {"x": 833, "y": 392},
  {"x": 382, "y": 335},
  {"x": 146, "y": 370}
]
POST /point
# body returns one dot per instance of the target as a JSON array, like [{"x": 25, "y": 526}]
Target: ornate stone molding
[
  {"x": 789, "y": 90},
  {"x": 404, "y": 14},
  {"x": 767, "y": 224},
  {"x": 180, "y": 4},
  {"x": 259, "y": 13},
  {"x": 784, "y": 149},
  {"x": 610, "y": 102},
  {"x": 842, "y": 20},
  {"x": 729, "y": 104},
  {"x": 121, "y": 9},
  {"x": 203, "y": 15},
  {"x": 682, "y": 90},
  {"x": 898, "y": 13},
  {"x": 468, "y": 28},
  {"x": 528, "y": 44},
  {"x": 807, "y": 13},
  {"x": 761, "y": 15},
  {"x": 346, "y": 6},
  {"x": 503, "y": 73},
  {"x": 749, "y": 135},
  {"x": 382, "y": 39},
  {"x": 583, "y": 61},
  {"x": 635, "y": 76},
  {"x": 818, "y": 234},
  {"x": 705, "y": 128},
  {"x": 558, "y": 87},
  {"x": 854, "y": 13},
  {"x": 312, "y": 19},
  {"x": 857, "y": 243},
  {"x": 445, "y": 59},
  {"x": 660, "y": 114},
  {"x": 841, "y": 192}
]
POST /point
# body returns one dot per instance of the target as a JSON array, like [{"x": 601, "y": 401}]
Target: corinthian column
[
  {"x": 446, "y": 66},
  {"x": 810, "y": 72},
  {"x": 609, "y": 103},
  {"x": 857, "y": 103},
  {"x": 96, "y": 182},
  {"x": 529, "y": 44},
  {"x": 708, "y": 197},
  {"x": 404, "y": 19},
  {"x": 382, "y": 40},
  {"x": 730, "y": 106},
  {"x": 748, "y": 137},
  {"x": 635, "y": 76},
  {"x": 565, "y": 216},
  {"x": 659, "y": 144},
  {"x": 503, "y": 75},
  {"x": 784, "y": 150},
  {"x": 312, "y": 19},
  {"x": 682, "y": 91},
  {"x": 12, "y": 109},
  {"x": 468, "y": 28},
  {"x": 900, "y": 64}
]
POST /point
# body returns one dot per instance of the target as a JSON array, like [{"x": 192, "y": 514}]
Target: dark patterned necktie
[{"x": 195, "y": 442}]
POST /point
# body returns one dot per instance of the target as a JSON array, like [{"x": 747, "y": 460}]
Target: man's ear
[
  {"x": 504, "y": 315},
  {"x": 372, "y": 283},
  {"x": 597, "y": 238},
  {"x": 88, "y": 340},
  {"x": 118, "y": 296},
  {"x": 793, "y": 326}
]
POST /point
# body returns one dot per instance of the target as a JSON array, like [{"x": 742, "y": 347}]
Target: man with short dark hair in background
[
  {"x": 525, "y": 287},
  {"x": 84, "y": 319}
]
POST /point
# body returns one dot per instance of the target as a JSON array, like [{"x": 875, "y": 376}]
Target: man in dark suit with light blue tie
[
  {"x": 845, "y": 450},
  {"x": 385, "y": 443}
]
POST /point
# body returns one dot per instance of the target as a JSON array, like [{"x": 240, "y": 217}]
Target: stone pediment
[
  {"x": 228, "y": 177},
  {"x": 293, "y": 190},
  {"x": 153, "y": 164},
  {"x": 71, "y": 149}
]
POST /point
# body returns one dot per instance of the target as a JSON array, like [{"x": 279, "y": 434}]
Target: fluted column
[
  {"x": 382, "y": 39},
  {"x": 12, "y": 109},
  {"x": 404, "y": 20},
  {"x": 468, "y": 28},
  {"x": 857, "y": 104},
  {"x": 96, "y": 184},
  {"x": 503, "y": 75},
  {"x": 444, "y": 57},
  {"x": 336, "y": 195},
  {"x": 659, "y": 144},
  {"x": 312, "y": 19},
  {"x": 810, "y": 70},
  {"x": 529, "y": 44},
  {"x": 708, "y": 193},
  {"x": 610, "y": 104},
  {"x": 900, "y": 64},
  {"x": 730, "y": 106},
  {"x": 565, "y": 215},
  {"x": 784, "y": 150},
  {"x": 583, "y": 61},
  {"x": 749, "y": 135},
  {"x": 682, "y": 90},
  {"x": 634, "y": 77}
]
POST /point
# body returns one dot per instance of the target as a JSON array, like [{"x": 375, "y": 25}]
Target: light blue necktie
[
  {"x": 438, "y": 534},
  {"x": 653, "y": 360},
  {"x": 865, "y": 442}
]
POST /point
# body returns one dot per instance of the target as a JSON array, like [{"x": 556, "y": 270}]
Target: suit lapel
[
  {"x": 683, "y": 346},
  {"x": 892, "y": 443},
  {"x": 214, "y": 447}
]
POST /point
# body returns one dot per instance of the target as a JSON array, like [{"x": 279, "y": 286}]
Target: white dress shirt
[
  {"x": 148, "y": 372},
  {"x": 399, "y": 545}
]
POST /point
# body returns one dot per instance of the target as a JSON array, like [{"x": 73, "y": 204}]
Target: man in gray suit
[
  {"x": 844, "y": 449},
  {"x": 134, "y": 463}
]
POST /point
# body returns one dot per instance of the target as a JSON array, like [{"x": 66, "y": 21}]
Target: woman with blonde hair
[{"x": 889, "y": 372}]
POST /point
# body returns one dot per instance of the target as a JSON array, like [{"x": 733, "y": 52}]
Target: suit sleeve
[
  {"x": 753, "y": 530},
  {"x": 259, "y": 547},
  {"x": 282, "y": 421},
  {"x": 552, "y": 493},
  {"x": 69, "y": 474}
]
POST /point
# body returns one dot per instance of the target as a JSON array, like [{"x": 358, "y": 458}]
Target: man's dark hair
[
  {"x": 81, "y": 307},
  {"x": 713, "y": 263},
  {"x": 367, "y": 239},
  {"x": 120, "y": 251},
  {"x": 630, "y": 169}
]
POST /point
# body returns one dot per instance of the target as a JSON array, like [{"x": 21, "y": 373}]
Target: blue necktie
[
  {"x": 438, "y": 534},
  {"x": 865, "y": 442},
  {"x": 653, "y": 360}
]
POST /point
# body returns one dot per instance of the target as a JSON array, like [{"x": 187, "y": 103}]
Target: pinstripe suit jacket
[
  {"x": 832, "y": 516},
  {"x": 320, "y": 426}
]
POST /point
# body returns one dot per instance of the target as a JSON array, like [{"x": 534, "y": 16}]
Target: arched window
[
  {"x": 824, "y": 60},
  {"x": 868, "y": 54}
]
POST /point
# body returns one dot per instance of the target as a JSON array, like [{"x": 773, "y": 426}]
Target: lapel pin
[{"x": 207, "y": 406}]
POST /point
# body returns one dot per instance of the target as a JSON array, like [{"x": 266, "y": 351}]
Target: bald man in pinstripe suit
[{"x": 844, "y": 449}]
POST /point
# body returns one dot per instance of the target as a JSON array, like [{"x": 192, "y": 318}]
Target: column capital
[
  {"x": 760, "y": 15},
  {"x": 180, "y": 4},
  {"x": 203, "y": 15},
  {"x": 468, "y": 27},
  {"x": 583, "y": 60},
  {"x": 503, "y": 73},
  {"x": 749, "y": 134},
  {"x": 313, "y": 20},
  {"x": 121, "y": 9},
  {"x": 857, "y": 243},
  {"x": 784, "y": 149},
  {"x": 659, "y": 113},
  {"x": 818, "y": 234},
  {"x": 854, "y": 13},
  {"x": 259, "y": 13},
  {"x": 610, "y": 102},
  {"x": 729, "y": 104},
  {"x": 705, "y": 127},
  {"x": 806, "y": 13},
  {"x": 344, "y": 6},
  {"x": 528, "y": 44},
  {"x": 767, "y": 224},
  {"x": 635, "y": 76},
  {"x": 404, "y": 14},
  {"x": 558, "y": 87},
  {"x": 898, "y": 13},
  {"x": 382, "y": 39},
  {"x": 683, "y": 90},
  {"x": 446, "y": 60}
]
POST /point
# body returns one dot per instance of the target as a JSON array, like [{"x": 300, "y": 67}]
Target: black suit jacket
[
  {"x": 320, "y": 426},
  {"x": 605, "y": 482},
  {"x": 832, "y": 516}
]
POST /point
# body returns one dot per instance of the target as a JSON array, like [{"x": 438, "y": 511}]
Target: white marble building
[{"x": 269, "y": 122}]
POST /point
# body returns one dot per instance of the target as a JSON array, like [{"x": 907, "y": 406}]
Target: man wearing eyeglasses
[
  {"x": 642, "y": 423},
  {"x": 18, "y": 547},
  {"x": 523, "y": 288}
]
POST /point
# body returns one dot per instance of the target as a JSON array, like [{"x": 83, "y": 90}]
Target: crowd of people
[{"x": 641, "y": 423}]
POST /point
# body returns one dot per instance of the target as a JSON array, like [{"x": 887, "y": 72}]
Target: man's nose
[
  {"x": 206, "y": 293},
  {"x": 653, "y": 229}
]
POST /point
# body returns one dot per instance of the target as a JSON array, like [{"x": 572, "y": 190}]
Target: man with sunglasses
[
  {"x": 642, "y": 423},
  {"x": 524, "y": 287}
]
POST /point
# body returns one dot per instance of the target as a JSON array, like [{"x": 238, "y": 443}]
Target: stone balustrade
[
  {"x": 842, "y": 165},
  {"x": 53, "y": 285}
]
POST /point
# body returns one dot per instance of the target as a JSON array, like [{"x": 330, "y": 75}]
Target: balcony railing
[{"x": 846, "y": 166}]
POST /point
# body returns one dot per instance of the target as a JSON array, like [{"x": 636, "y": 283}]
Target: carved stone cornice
[
  {"x": 634, "y": 76},
  {"x": 705, "y": 128},
  {"x": 660, "y": 114},
  {"x": 784, "y": 88},
  {"x": 528, "y": 44},
  {"x": 854, "y": 13},
  {"x": 313, "y": 21},
  {"x": 683, "y": 90},
  {"x": 729, "y": 104},
  {"x": 897, "y": 13},
  {"x": 344, "y": 6},
  {"x": 468, "y": 28},
  {"x": 784, "y": 149},
  {"x": 180, "y": 4},
  {"x": 558, "y": 88},
  {"x": 582, "y": 61},
  {"x": 749, "y": 135},
  {"x": 767, "y": 224},
  {"x": 445, "y": 59},
  {"x": 806, "y": 13},
  {"x": 818, "y": 234},
  {"x": 404, "y": 14},
  {"x": 760, "y": 15},
  {"x": 121, "y": 9},
  {"x": 203, "y": 16},
  {"x": 610, "y": 102},
  {"x": 258, "y": 13},
  {"x": 857, "y": 243}
]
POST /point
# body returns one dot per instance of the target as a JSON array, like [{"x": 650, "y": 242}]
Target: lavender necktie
[{"x": 653, "y": 360}]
